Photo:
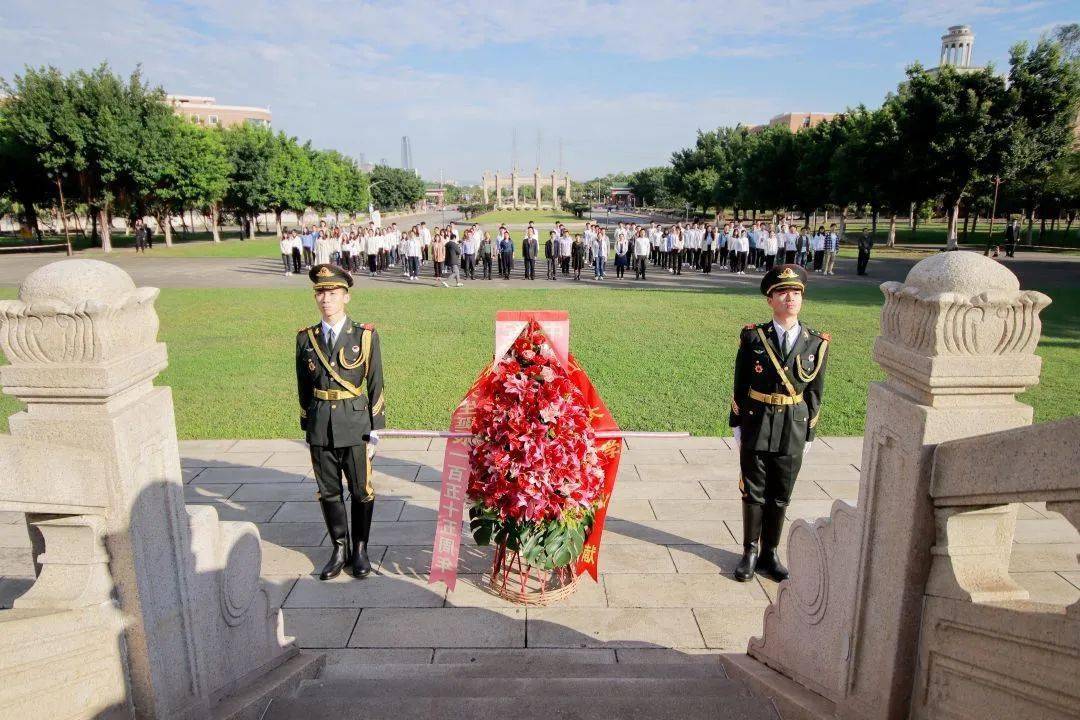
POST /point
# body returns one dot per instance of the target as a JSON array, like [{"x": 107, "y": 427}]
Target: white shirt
[
  {"x": 336, "y": 328},
  {"x": 641, "y": 245},
  {"x": 790, "y": 336}
]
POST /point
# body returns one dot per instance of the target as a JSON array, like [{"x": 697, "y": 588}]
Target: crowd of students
[{"x": 456, "y": 253}]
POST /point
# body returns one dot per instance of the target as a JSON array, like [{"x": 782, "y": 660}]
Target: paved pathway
[{"x": 665, "y": 589}]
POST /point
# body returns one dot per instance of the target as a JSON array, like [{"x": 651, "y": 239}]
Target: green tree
[
  {"x": 767, "y": 179},
  {"x": 1043, "y": 95},
  {"x": 394, "y": 188},
  {"x": 250, "y": 151},
  {"x": 954, "y": 125},
  {"x": 91, "y": 125},
  {"x": 183, "y": 167},
  {"x": 289, "y": 178},
  {"x": 650, "y": 186}
]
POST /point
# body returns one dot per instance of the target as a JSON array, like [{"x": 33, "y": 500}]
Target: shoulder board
[
  {"x": 749, "y": 326},
  {"x": 825, "y": 336},
  {"x": 368, "y": 326}
]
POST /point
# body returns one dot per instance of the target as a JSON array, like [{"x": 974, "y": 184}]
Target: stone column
[
  {"x": 484, "y": 185},
  {"x": 566, "y": 179},
  {"x": 957, "y": 345},
  {"x": 536, "y": 187},
  {"x": 554, "y": 191},
  {"x": 82, "y": 343},
  {"x": 514, "y": 187},
  {"x": 498, "y": 191}
]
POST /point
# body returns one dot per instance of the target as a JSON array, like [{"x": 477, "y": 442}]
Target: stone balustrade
[{"x": 142, "y": 607}]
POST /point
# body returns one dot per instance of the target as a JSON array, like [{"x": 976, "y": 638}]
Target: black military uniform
[
  {"x": 340, "y": 388},
  {"x": 776, "y": 405}
]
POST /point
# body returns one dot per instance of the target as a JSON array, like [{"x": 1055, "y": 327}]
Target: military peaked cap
[
  {"x": 330, "y": 276},
  {"x": 783, "y": 277}
]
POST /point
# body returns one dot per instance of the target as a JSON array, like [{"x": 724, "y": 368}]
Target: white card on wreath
[{"x": 554, "y": 323}]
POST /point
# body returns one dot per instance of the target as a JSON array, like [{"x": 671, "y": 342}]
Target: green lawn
[
  {"x": 661, "y": 359},
  {"x": 934, "y": 233},
  {"x": 522, "y": 217}
]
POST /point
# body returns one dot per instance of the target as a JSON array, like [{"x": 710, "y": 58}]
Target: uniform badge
[
  {"x": 758, "y": 368},
  {"x": 810, "y": 358},
  {"x": 311, "y": 365},
  {"x": 356, "y": 349}
]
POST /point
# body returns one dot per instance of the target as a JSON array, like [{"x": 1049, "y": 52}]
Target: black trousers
[
  {"x": 551, "y": 264},
  {"x": 296, "y": 260},
  {"x": 767, "y": 478},
  {"x": 864, "y": 260},
  {"x": 486, "y": 260},
  {"x": 507, "y": 262},
  {"x": 639, "y": 266},
  {"x": 468, "y": 266},
  {"x": 530, "y": 269},
  {"x": 330, "y": 463}
]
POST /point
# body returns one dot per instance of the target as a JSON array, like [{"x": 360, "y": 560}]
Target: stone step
[
  {"x": 523, "y": 668},
  {"x": 733, "y": 706},
  {"x": 452, "y": 686}
]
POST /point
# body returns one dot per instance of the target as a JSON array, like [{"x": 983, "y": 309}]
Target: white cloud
[{"x": 343, "y": 76}]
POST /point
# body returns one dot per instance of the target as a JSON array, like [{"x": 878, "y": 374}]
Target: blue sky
[{"x": 622, "y": 84}]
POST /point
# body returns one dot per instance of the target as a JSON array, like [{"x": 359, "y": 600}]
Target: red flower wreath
[{"x": 535, "y": 454}]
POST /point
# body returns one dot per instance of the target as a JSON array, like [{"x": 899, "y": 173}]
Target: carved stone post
[
  {"x": 82, "y": 342},
  {"x": 484, "y": 185},
  {"x": 566, "y": 179},
  {"x": 498, "y": 191},
  {"x": 957, "y": 344},
  {"x": 514, "y": 179},
  {"x": 554, "y": 190},
  {"x": 536, "y": 187}
]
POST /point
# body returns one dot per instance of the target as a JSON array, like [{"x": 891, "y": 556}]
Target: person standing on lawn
[
  {"x": 340, "y": 387},
  {"x": 779, "y": 377}
]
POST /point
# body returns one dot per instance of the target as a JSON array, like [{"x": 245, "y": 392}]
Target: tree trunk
[
  {"x": 1042, "y": 227},
  {"x": 28, "y": 219},
  {"x": 843, "y": 222},
  {"x": 104, "y": 231},
  {"x": 892, "y": 231},
  {"x": 183, "y": 225},
  {"x": 967, "y": 220},
  {"x": 1030, "y": 223},
  {"x": 167, "y": 229},
  {"x": 911, "y": 218},
  {"x": 975, "y": 226},
  {"x": 215, "y": 217},
  {"x": 251, "y": 226},
  {"x": 277, "y": 223},
  {"x": 1068, "y": 225},
  {"x": 954, "y": 221}
]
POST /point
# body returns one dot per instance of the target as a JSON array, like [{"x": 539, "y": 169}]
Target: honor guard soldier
[
  {"x": 340, "y": 385},
  {"x": 779, "y": 374}
]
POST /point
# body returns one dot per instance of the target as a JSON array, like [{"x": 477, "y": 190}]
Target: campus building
[{"x": 205, "y": 110}]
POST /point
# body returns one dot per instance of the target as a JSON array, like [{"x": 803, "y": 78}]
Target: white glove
[
  {"x": 373, "y": 437},
  {"x": 807, "y": 446},
  {"x": 737, "y": 432}
]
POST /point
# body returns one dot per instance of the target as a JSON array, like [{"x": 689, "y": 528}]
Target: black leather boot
[
  {"x": 337, "y": 523},
  {"x": 751, "y": 523},
  {"x": 361, "y": 527},
  {"x": 769, "y": 562}
]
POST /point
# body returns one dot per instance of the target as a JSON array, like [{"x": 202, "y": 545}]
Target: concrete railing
[{"x": 142, "y": 607}]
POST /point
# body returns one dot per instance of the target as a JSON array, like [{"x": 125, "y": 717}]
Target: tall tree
[
  {"x": 394, "y": 188},
  {"x": 1042, "y": 102},
  {"x": 289, "y": 177},
  {"x": 953, "y": 124},
  {"x": 649, "y": 185},
  {"x": 250, "y": 151}
]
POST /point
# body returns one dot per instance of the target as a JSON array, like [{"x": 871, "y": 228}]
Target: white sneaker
[
  {"x": 460, "y": 285},
  {"x": 444, "y": 284}
]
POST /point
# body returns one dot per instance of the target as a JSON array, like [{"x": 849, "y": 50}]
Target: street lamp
[{"x": 60, "y": 176}]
